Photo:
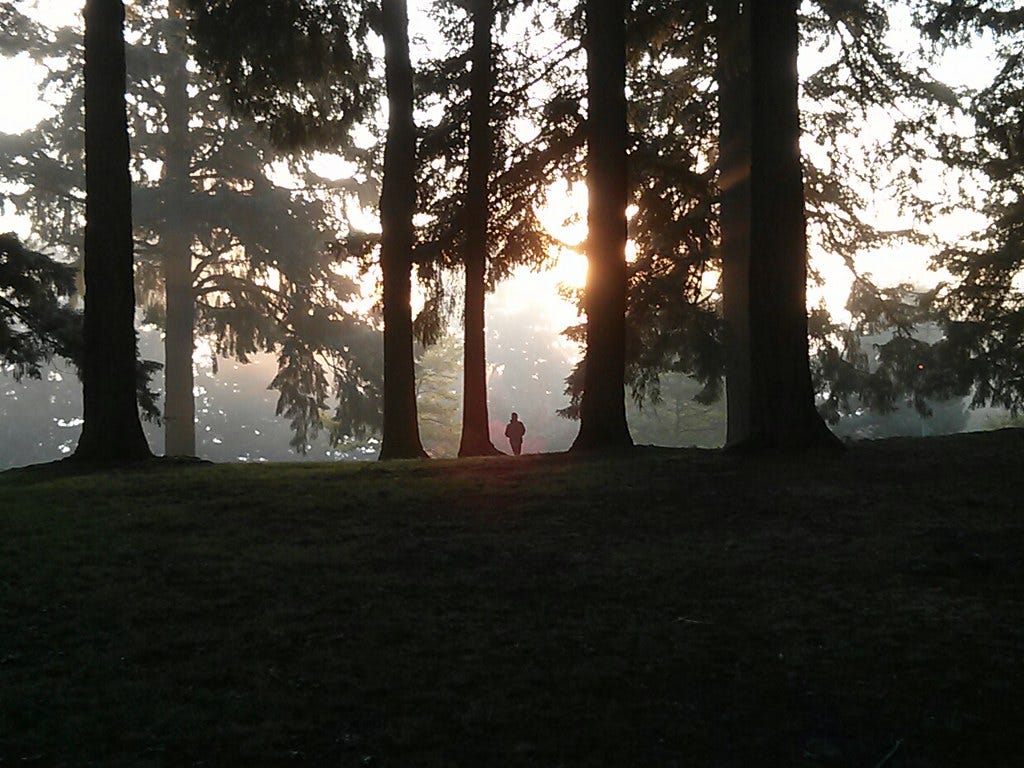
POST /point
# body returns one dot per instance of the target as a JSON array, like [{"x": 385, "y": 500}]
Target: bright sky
[{"x": 21, "y": 79}]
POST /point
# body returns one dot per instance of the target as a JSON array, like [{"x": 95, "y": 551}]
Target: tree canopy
[
  {"x": 239, "y": 241},
  {"x": 37, "y": 319}
]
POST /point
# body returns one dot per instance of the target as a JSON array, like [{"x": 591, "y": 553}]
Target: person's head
[{"x": 515, "y": 416}]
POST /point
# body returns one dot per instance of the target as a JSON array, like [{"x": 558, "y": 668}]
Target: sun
[
  {"x": 565, "y": 218},
  {"x": 569, "y": 269}
]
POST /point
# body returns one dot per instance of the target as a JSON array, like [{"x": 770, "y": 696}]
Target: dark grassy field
[{"x": 667, "y": 608}]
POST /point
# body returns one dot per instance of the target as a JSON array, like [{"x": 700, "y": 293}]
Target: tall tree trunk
[
  {"x": 111, "y": 431},
  {"x": 401, "y": 436},
  {"x": 176, "y": 245},
  {"x": 603, "y": 405},
  {"x": 782, "y": 414},
  {"x": 476, "y": 438},
  {"x": 733, "y": 71}
]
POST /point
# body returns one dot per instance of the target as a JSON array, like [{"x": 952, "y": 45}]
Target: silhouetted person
[{"x": 514, "y": 431}]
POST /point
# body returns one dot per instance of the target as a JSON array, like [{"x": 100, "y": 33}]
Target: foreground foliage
[
  {"x": 36, "y": 321},
  {"x": 672, "y": 607}
]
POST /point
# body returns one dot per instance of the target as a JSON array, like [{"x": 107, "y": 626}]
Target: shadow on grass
[
  {"x": 657, "y": 608},
  {"x": 74, "y": 467}
]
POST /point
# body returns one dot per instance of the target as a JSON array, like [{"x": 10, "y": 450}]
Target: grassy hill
[{"x": 665, "y": 608}]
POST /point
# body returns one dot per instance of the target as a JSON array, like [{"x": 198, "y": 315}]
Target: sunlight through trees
[{"x": 452, "y": 129}]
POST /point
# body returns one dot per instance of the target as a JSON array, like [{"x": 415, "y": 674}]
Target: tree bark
[
  {"x": 733, "y": 72},
  {"x": 401, "y": 437},
  {"x": 603, "y": 404},
  {"x": 176, "y": 246},
  {"x": 476, "y": 438},
  {"x": 783, "y": 415},
  {"x": 112, "y": 431}
]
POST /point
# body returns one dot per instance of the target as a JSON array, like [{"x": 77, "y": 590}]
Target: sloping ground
[{"x": 667, "y": 608}]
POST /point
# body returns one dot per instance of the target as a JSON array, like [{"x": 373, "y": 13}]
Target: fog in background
[{"x": 528, "y": 360}]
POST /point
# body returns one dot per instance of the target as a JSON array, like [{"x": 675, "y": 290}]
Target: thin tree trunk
[
  {"x": 603, "y": 405},
  {"x": 476, "y": 438},
  {"x": 111, "y": 431},
  {"x": 733, "y": 72},
  {"x": 401, "y": 437},
  {"x": 176, "y": 244},
  {"x": 783, "y": 415}
]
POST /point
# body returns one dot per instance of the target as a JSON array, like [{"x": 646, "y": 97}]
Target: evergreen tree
[
  {"x": 481, "y": 181},
  {"x": 111, "y": 431},
  {"x": 438, "y": 374},
  {"x": 302, "y": 69},
  {"x": 672, "y": 314},
  {"x": 223, "y": 253},
  {"x": 37, "y": 321},
  {"x": 686, "y": 230},
  {"x": 400, "y": 439},
  {"x": 476, "y": 440},
  {"x": 178, "y": 296},
  {"x": 732, "y": 31},
  {"x": 866, "y": 79},
  {"x": 602, "y": 407},
  {"x": 975, "y": 352},
  {"x": 782, "y": 411},
  {"x": 982, "y": 312},
  {"x": 282, "y": 295}
]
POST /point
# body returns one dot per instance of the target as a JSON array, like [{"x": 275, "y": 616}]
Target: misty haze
[{"x": 555, "y": 383}]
